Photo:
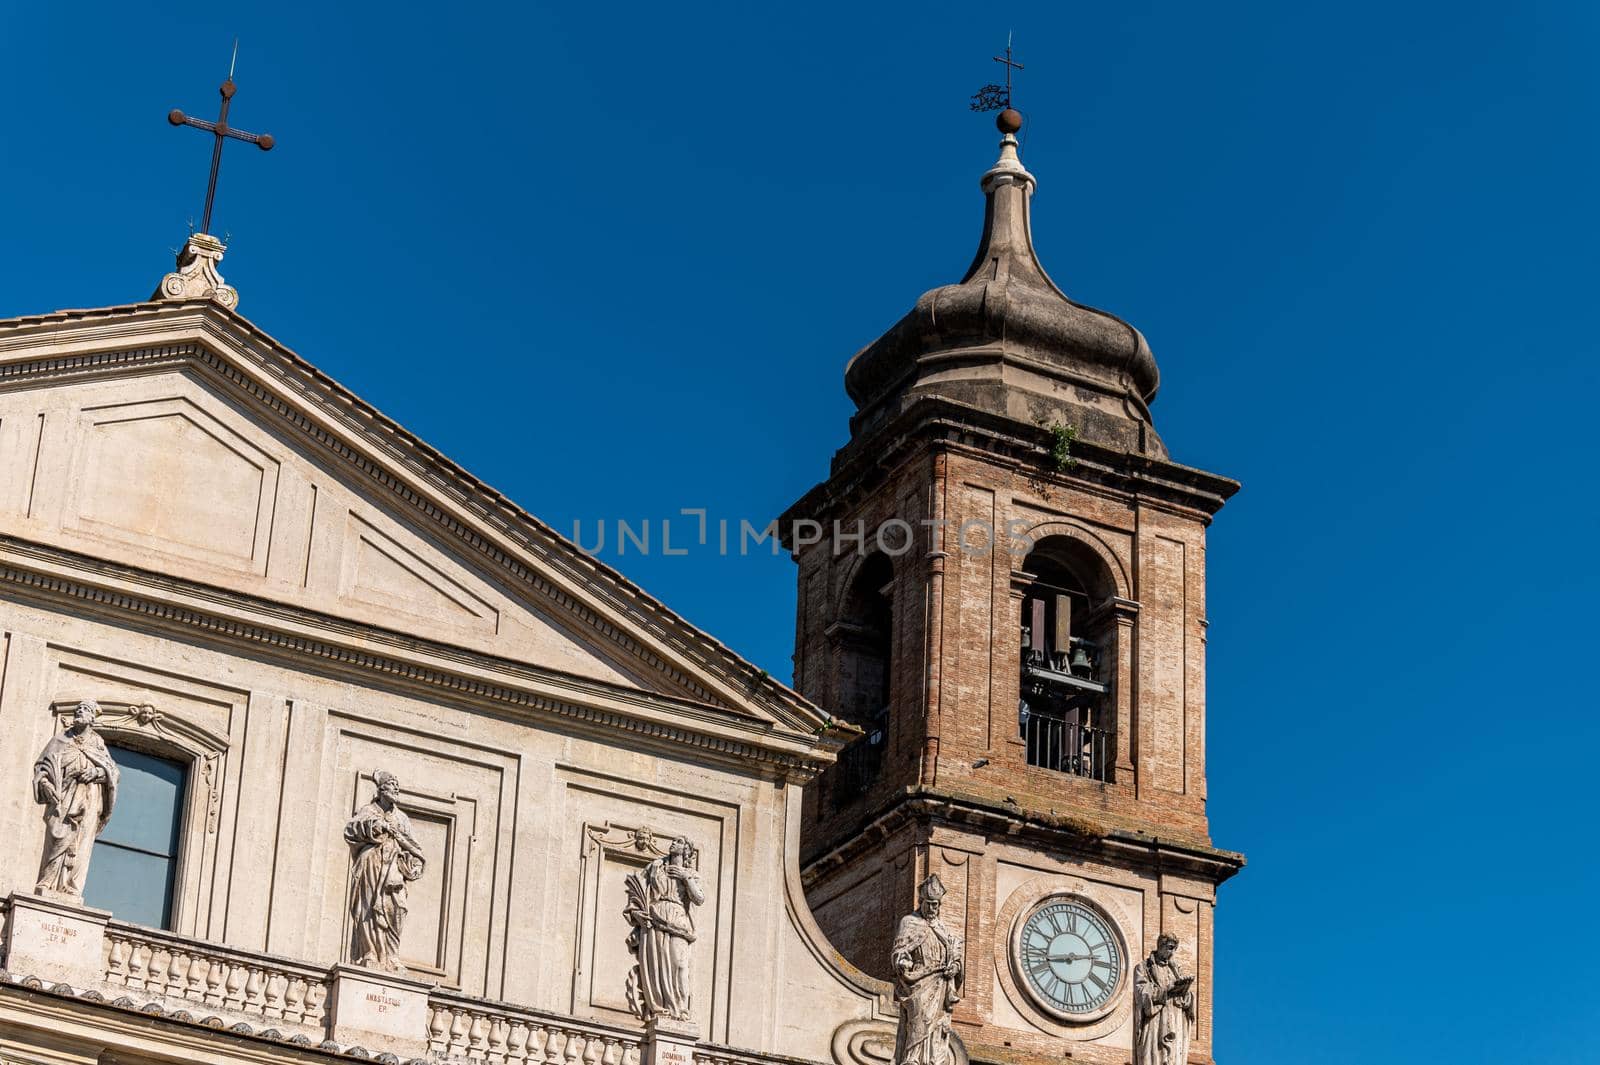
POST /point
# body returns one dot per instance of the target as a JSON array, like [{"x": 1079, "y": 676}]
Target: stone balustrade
[
  {"x": 203, "y": 978},
  {"x": 285, "y": 999},
  {"x": 461, "y": 1028}
]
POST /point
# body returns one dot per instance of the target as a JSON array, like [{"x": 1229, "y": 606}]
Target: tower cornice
[{"x": 938, "y": 423}]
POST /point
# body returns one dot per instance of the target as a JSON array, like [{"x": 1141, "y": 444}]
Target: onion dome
[{"x": 1006, "y": 341}]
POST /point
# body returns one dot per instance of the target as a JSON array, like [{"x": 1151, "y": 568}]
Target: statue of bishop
[
  {"x": 929, "y": 970},
  {"x": 76, "y": 780},
  {"x": 384, "y": 858}
]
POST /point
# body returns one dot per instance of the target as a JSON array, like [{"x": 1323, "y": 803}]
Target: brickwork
[{"x": 953, "y": 722}]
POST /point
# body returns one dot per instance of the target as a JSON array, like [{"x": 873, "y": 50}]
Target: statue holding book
[{"x": 1163, "y": 1007}]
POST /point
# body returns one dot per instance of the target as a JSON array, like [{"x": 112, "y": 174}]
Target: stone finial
[
  {"x": 196, "y": 276},
  {"x": 1008, "y": 168}
]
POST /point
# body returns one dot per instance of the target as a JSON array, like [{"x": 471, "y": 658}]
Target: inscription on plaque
[
  {"x": 383, "y": 1003},
  {"x": 54, "y": 940},
  {"x": 668, "y": 1053},
  {"x": 52, "y": 932}
]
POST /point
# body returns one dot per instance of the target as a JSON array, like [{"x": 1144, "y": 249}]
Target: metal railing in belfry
[{"x": 1067, "y": 746}]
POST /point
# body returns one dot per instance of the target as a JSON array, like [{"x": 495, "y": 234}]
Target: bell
[{"x": 1080, "y": 660}]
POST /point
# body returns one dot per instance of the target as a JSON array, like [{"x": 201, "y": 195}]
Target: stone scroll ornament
[
  {"x": 76, "y": 780},
  {"x": 385, "y": 857},
  {"x": 1163, "y": 1007},
  {"x": 661, "y": 899},
  {"x": 929, "y": 971}
]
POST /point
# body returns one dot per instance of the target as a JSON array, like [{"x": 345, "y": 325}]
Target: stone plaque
[
  {"x": 56, "y": 941},
  {"x": 668, "y": 1043},
  {"x": 372, "y": 1009}
]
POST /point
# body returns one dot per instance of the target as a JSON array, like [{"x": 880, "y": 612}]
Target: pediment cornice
[
  {"x": 231, "y": 354},
  {"x": 368, "y": 654}
]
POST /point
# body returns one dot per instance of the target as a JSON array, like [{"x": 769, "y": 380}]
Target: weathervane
[
  {"x": 221, "y": 130},
  {"x": 993, "y": 97}
]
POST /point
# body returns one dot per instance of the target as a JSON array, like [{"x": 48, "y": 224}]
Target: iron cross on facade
[{"x": 220, "y": 130}]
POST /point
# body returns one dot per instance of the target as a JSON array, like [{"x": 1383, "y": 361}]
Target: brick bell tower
[{"x": 1021, "y": 634}]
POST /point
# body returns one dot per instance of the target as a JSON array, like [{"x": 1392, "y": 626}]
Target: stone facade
[{"x": 260, "y": 578}]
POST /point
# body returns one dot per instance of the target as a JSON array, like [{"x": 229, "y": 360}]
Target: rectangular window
[{"x": 133, "y": 867}]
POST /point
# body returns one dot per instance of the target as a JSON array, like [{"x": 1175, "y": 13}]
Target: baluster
[
  {"x": 117, "y": 961},
  {"x": 316, "y": 995},
  {"x": 254, "y": 988},
  {"x": 591, "y": 1051},
  {"x": 214, "y": 975},
  {"x": 612, "y": 1053},
  {"x": 517, "y": 1043},
  {"x": 138, "y": 959},
  {"x": 438, "y": 1029},
  {"x": 277, "y": 983},
  {"x": 294, "y": 1000},
  {"x": 178, "y": 973},
  {"x": 155, "y": 974},
  {"x": 552, "y": 1046},
  {"x": 538, "y": 1036},
  {"x": 235, "y": 985},
  {"x": 574, "y": 1047},
  {"x": 199, "y": 967},
  {"x": 478, "y": 1036},
  {"x": 632, "y": 1055},
  {"x": 458, "y": 1033},
  {"x": 498, "y": 1026}
]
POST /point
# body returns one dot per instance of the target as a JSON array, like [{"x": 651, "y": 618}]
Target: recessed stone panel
[{"x": 167, "y": 474}]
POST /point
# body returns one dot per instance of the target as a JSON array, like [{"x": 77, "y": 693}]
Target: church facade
[{"x": 319, "y": 749}]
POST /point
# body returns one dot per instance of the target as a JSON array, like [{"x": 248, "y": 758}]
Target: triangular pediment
[{"x": 179, "y": 440}]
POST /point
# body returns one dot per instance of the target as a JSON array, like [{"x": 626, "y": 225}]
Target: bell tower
[{"x": 1002, "y": 582}]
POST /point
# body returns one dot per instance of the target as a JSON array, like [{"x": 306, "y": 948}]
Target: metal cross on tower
[
  {"x": 994, "y": 97},
  {"x": 221, "y": 130}
]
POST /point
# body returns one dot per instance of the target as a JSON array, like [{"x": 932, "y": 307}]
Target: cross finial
[
  {"x": 994, "y": 97},
  {"x": 221, "y": 131}
]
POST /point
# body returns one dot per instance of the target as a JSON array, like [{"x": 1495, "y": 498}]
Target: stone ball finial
[{"x": 1009, "y": 120}]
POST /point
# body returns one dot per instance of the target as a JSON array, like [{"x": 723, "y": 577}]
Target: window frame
[{"x": 180, "y": 815}]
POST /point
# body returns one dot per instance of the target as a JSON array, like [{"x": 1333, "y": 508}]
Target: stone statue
[
  {"x": 76, "y": 780},
  {"x": 1163, "y": 1007},
  {"x": 385, "y": 857},
  {"x": 929, "y": 970},
  {"x": 661, "y": 898}
]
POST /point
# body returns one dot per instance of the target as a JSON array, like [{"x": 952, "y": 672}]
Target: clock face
[{"x": 1069, "y": 957}]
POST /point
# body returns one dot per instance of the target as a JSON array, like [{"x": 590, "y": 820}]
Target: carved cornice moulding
[
  {"x": 1060, "y": 836},
  {"x": 942, "y": 426},
  {"x": 291, "y": 635},
  {"x": 222, "y": 346}
]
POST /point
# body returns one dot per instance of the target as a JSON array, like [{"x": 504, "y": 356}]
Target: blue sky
[{"x": 613, "y": 260}]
